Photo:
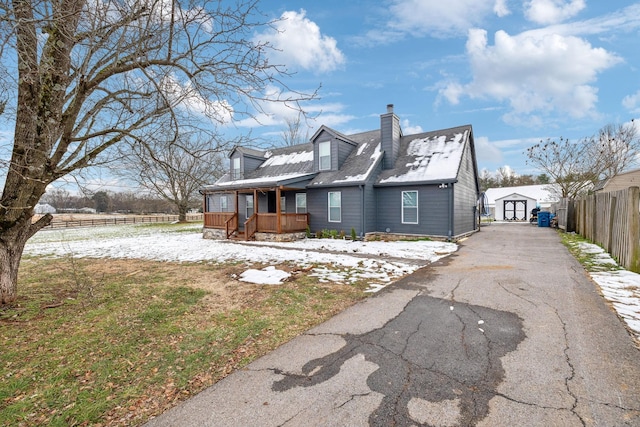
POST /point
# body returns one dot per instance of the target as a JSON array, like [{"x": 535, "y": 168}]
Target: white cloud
[
  {"x": 299, "y": 43},
  {"x": 501, "y": 9},
  {"x": 487, "y": 151},
  {"x": 438, "y": 18},
  {"x": 538, "y": 74},
  {"x": 632, "y": 102},
  {"x": 408, "y": 129},
  {"x": 552, "y": 11}
]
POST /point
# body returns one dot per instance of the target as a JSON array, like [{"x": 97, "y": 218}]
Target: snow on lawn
[
  {"x": 620, "y": 287},
  {"x": 332, "y": 260}
]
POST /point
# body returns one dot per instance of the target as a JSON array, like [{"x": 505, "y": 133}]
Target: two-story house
[{"x": 379, "y": 181}]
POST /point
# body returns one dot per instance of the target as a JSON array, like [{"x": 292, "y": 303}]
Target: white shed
[
  {"x": 514, "y": 207},
  {"x": 507, "y": 203}
]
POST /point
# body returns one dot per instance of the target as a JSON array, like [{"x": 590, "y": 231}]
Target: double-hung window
[
  {"x": 335, "y": 206},
  {"x": 224, "y": 204},
  {"x": 324, "y": 155},
  {"x": 301, "y": 203},
  {"x": 409, "y": 207},
  {"x": 235, "y": 168},
  {"x": 249, "y": 206},
  {"x": 283, "y": 204}
]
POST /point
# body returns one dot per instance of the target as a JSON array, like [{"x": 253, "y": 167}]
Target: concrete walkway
[{"x": 509, "y": 331}]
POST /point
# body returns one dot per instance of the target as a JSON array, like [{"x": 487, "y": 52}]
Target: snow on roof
[
  {"x": 287, "y": 158},
  {"x": 361, "y": 177},
  {"x": 430, "y": 158},
  {"x": 543, "y": 193},
  {"x": 261, "y": 180}
]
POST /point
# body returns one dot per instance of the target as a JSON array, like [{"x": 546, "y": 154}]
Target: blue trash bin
[{"x": 544, "y": 219}]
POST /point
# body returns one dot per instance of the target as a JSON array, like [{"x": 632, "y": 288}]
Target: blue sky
[{"x": 518, "y": 71}]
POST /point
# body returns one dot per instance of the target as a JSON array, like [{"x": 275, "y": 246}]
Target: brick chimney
[{"x": 390, "y": 133}]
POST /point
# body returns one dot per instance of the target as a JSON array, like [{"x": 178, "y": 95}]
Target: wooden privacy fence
[{"x": 612, "y": 220}]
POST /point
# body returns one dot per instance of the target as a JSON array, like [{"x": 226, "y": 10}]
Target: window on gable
[
  {"x": 235, "y": 168},
  {"x": 324, "y": 155},
  {"x": 301, "y": 203},
  {"x": 409, "y": 207},
  {"x": 335, "y": 206}
]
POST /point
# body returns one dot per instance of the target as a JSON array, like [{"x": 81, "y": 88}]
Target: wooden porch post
[
  {"x": 255, "y": 201},
  {"x": 278, "y": 211}
]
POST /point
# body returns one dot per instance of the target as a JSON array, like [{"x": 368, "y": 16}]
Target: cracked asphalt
[{"x": 508, "y": 331}]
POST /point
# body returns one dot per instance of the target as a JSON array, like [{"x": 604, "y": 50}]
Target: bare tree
[
  {"x": 175, "y": 170},
  {"x": 87, "y": 75},
  {"x": 295, "y": 133},
  {"x": 576, "y": 167}
]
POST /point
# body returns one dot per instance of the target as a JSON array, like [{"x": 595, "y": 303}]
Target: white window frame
[
  {"x": 224, "y": 203},
  {"x": 339, "y": 193},
  {"x": 403, "y": 207},
  {"x": 283, "y": 204},
  {"x": 299, "y": 197},
  {"x": 235, "y": 168},
  {"x": 249, "y": 205},
  {"x": 324, "y": 145}
]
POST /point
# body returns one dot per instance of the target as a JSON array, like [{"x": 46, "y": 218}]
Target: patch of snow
[
  {"x": 287, "y": 159},
  {"x": 267, "y": 276},
  {"x": 620, "y": 287},
  {"x": 435, "y": 158},
  {"x": 331, "y": 260}
]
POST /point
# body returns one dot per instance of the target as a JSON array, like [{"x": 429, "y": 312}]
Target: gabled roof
[
  {"x": 334, "y": 133},
  {"x": 543, "y": 193},
  {"x": 428, "y": 157},
  {"x": 358, "y": 167},
  {"x": 283, "y": 166},
  {"x": 248, "y": 152}
]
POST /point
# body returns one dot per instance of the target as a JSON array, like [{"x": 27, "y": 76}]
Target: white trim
[
  {"x": 305, "y": 202},
  {"x": 320, "y": 156},
  {"x": 402, "y": 207},
  {"x": 249, "y": 197},
  {"x": 339, "y": 193}
]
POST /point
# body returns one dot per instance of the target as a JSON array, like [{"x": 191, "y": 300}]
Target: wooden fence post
[{"x": 634, "y": 228}]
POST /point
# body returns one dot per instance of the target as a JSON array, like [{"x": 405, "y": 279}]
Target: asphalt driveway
[{"x": 508, "y": 331}]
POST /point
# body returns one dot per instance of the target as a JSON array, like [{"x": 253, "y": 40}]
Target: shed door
[{"x": 515, "y": 210}]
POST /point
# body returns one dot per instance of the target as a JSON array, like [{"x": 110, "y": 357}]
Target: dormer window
[
  {"x": 324, "y": 155},
  {"x": 235, "y": 168}
]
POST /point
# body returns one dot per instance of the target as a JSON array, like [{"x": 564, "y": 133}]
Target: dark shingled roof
[
  {"x": 357, "y": 168},
  {"x": 428, "y": 157}
]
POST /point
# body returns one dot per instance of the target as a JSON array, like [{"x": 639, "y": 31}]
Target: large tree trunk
[
  {"x": 182, "y": 213},
  {"x": 12, "y": 242}
]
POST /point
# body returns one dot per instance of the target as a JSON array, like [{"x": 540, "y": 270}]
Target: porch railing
[
  {"x": 231, "y": 225},
  {"x": 250, "y": 226},
  {"x": 260, "y": 222},
  {"x": 217, "y": 219}
]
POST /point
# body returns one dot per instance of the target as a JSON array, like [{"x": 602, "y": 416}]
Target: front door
[{"x": 515, "y": 210}]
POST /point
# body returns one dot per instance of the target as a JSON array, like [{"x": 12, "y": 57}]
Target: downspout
[
  {"x": 450, "y": 234},
  {"x": 362, "y": 215}
]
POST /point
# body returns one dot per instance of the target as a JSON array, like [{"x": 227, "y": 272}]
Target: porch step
[{"x": 238, "y": 235}]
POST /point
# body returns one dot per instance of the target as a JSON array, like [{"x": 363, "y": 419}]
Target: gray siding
[
  {"x": 318, "y": 206},
  {"x": 343, "y": 151},
  {"x": 250, "y": 164},
  {"x": 465, "y": 196},
  {"x": 433, "y": 210},
  {"x": 390, "y": 137},
  {"x": 213, "y": 203}
]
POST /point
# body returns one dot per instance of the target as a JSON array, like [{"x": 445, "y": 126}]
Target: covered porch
[{"x": 247, "y": 213}]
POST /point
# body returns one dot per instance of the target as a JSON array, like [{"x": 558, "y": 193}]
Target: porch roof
[{"x": 298, "y": 180}]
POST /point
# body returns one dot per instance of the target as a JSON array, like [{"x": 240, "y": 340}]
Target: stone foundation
[
  {"x": 214, "y": 233},
  {"x": 284, "y": 237},
  {"x": 219, "y": 234}
]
